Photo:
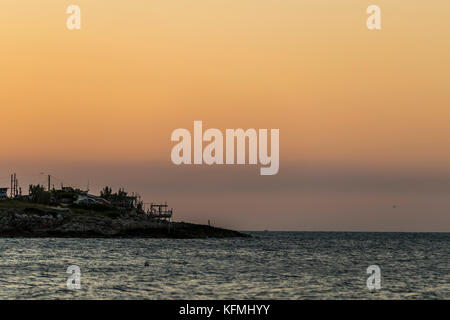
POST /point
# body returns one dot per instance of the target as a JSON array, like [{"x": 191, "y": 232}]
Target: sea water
[{"x": 270, "y": 265}]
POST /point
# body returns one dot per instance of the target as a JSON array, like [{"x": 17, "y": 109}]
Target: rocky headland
[{"x": 43, "y": 221}]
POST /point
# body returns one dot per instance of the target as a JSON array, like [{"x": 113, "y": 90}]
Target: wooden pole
[{"x": 15, "y": 184}]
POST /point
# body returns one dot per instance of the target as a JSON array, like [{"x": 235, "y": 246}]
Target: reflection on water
[{"x": 271, "y": 265}]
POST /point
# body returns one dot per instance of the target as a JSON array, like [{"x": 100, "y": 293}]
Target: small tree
[
  {"x": 106, "y": 193},
  {"x": 39, "y": 195},
  {"x": 122, "y": 193}
]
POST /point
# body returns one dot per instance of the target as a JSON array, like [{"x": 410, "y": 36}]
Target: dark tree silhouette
[{"x": 106, "y": 193}]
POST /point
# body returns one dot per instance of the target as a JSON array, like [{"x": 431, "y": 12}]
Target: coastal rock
[{"x": 48, "y": 222}]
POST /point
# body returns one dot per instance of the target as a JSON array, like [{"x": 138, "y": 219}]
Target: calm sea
[{"x": 271, "y": 265}]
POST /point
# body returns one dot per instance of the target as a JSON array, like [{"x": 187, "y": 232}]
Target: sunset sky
[{"x": 363, "y": 115}]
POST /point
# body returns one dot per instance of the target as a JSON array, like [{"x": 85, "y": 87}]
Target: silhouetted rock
[{"x": 53, "y": 222}]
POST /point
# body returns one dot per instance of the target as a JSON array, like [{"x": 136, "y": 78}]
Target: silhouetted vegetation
[
  {"x": 37, "y": 194},
  {"x": 106, "y": 193}
]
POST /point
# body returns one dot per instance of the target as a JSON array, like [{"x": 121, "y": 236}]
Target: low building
[
  {"x": 3, "y": 193},
  {"x": 91, "y": 199}
]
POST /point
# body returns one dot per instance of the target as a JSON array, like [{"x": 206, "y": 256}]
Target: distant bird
[{"x": 146, "y": 264}]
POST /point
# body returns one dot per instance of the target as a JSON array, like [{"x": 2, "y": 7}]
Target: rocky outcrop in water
[{"x": 53, "y": 222}]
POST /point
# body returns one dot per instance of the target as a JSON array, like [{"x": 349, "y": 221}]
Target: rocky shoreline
[{"x": 64, "y": 223}]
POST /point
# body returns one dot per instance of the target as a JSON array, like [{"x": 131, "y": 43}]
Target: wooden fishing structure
[{"x": 158, "y": 211}]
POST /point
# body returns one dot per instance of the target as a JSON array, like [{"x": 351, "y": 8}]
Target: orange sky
[{"x": 114, "y": 91}]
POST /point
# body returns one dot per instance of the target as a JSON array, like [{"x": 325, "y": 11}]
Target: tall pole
[
  {"x": 15, "y": 184},
  {"x": 11, "y": 190},
  {"x": 48, "y": 183}
]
